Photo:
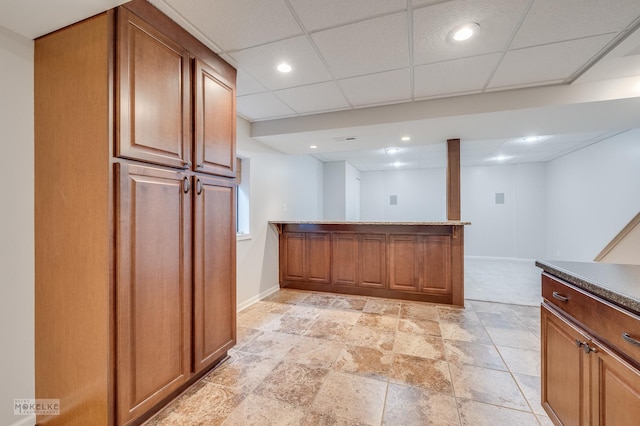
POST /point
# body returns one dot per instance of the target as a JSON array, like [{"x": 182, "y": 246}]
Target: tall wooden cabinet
[{"x": 135, "y": 215}]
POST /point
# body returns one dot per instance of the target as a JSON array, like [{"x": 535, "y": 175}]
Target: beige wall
[{"x": 16, "y": 225}]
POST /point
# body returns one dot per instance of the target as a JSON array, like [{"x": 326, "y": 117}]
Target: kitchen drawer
[{"x": 604, "y": 321}]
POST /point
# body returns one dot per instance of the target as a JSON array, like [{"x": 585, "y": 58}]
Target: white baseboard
[
  {"x": 511, "y": 259},
  {"x": 25, "y": 421},
  {"x": 257, "y": 298}
]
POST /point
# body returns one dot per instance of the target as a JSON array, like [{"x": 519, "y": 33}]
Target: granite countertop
[
  {"x": 337, "y": 222},
  {"x": 619, "y": 284}
]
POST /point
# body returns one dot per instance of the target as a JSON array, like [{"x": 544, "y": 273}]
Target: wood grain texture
[
  {"x": 73, "y": 224},
  {"x": 453, "y": 179},
  {"x": 344, "y": 259},
  {"x": 214, "y": 122},
  {"x": 154, "y": 92},
  {"x": 153, "y": 305},
  {"x": 373, "y": 260},
  {"x": 214, "y": 262}
]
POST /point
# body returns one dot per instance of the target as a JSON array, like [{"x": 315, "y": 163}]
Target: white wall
[
  {"x": 513, "y": 229},
  {"x": 334, "y": 190},
  {"x": 16, "y": 223},
  {"x": 352, "y": 185},
  {"x": 592, "y": 194},
  {"x": 421, "y": 195},
  {"x": 282, "y": 187}
]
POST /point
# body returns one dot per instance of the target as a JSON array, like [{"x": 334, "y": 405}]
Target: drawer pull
[
  {"x": 560, "y": 297},
  {"x": 585, "y": 347},
  {"x": 628, "y": 338}
]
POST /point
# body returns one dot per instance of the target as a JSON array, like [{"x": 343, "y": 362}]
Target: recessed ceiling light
[
  {"x": 463, "y": 32},
  {"x": 284, "y": 67},
  {"x": 405, "y": 138},
  {"x": 397, "y": 164},
  {"x": 501, "y": 158},
  {"x": 391, "y": 150},
  {"x": 530, "y": 139},
  {"x": 313, "y": 146}
]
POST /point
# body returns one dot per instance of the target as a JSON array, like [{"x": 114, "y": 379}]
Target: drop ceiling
[{"x": 380, "y": 58}]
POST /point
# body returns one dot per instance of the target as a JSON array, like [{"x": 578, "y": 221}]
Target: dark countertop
[{"x": 619, "y": 284}]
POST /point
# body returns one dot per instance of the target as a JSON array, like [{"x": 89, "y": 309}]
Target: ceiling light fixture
[
  {"x": 501, "y": 158},
  {"x": 405, "y": 138},
  {"x": 391, "y": 150},
  {"x": 463, "y": 32},
  {"x": 397, "y": 164},
  {"x": 313, "y": 146},
  {"x": 284, "y": 67},
  {"x": 530, "y": 139}
]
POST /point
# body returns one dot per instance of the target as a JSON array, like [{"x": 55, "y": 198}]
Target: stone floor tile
[
  {"x": 270, "y": 344},
  {"x": 371, "y": 338},
  {"x": 478, "y": 354},
  {"x": 513, "y": 338},
  {"x": 474, "y": 413},
  {"x": 426, "y": 373},
  {"x": 341, "y": 316},
  {"x": 256, "y": 410},
  {"x": 329, "y": 330},
  {"x": 315, "y": 352},
  {"x": 420, "y": 311},
  {"x": 522, "y": 361},
  {"x": 419, "y": 345},
  {"x": 379, "y": 322},
  {"x": 351, "y": 303},
  {"x": 487, "y": 385},
  {"x": 530, "y": 387},
  {"x": 292, "y": 383},
  {"x": 317, "y": 299},
  {"x": 242, "y": 372},
  {"x": 467, "y": 333},
  {"x": 412, "y": 406},
  {"x": 363, "y": 361},
  {"x": 382, "y": 307},
  {"x": 419, "y": 326}
]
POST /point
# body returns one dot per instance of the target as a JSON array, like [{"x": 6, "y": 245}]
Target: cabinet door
[
  {"x": 292, "y": 256},
  {"x": 153, "y": 282},
  {"x": 153, "y": 95},
  {"x": 403, "y": 262},
  {"x": 565, "y": 371},
  {"x": 373, "y": 254},
  {"x": 214, "y": 253},
  {"x": 215, "y": 122},
  {"x": 436, "y": 264},
  {"x": 615, "y": 390},
  {"x": 318, "y": 258},
  {"x": 344, "y": 261}
]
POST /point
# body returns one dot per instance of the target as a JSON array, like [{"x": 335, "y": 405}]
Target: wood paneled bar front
[{"x": 422, "y": 261}]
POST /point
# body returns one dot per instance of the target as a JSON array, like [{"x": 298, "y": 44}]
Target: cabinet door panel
[
  {"x": 345, "y": 259},
  {"x": 565, "y": 375},
  {"x": 153, "y": 300},
  {"x": 436, "y": 264},
  {"x": 154, "y": 91},
  {"x": 215, "y": 123},
  {"x": 616, "y": 390},
  {"x": 403, "y": 263},
  {"x": 318, "y": 258},
  {"x": 214, "y": 270},
  {"x": 373, "y": 260},
  {"x": 293, "y": 256}
]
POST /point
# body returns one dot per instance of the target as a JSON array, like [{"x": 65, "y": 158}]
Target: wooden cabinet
[
  {"x": 154, "y": 92},
  {"x": 215, "y": 122},
  {"x": 589, "y": 374},
  {"x": 135, "y": 250},
  {"x": 416, "y": 262},
  {"x": 307, "y": 258},
  {"x": 214, "y": 325},
  {"x": 153, "y": 286}
]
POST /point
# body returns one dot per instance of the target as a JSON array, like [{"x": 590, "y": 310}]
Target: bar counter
[{"x": 422, "y": 261}]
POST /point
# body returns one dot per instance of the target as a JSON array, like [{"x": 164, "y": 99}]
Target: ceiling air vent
[{"x": 345, "y": 139}]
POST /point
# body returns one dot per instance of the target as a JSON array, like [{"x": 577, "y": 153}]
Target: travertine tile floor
[{"x": 306, "y": 358}]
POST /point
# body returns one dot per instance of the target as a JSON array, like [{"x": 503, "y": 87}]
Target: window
[{"x": 243, "y": 221}]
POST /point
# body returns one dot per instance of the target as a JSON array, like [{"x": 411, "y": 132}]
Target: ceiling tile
[
  {"x": 247, "y": 85},
  {"x": 385, "y": 87},
  {"x": 261, "y": 63},
  {"x": 366, "y": 47},
  {"x": 234, "y": 24},
  {"x": 550, "y": 21},
  {"x": 316, "y": 14},
  {"x": 497, "y": 20},
  {"x": 262, "y": 105},
  {"x": 456, "y": 76},
  {"x": 546, "y": 63},
  {"x": 427, "y": 2},
  {"x": 314, "y": 98}
]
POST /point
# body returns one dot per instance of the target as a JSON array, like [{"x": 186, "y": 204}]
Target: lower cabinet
[
  {"x": 583, "y": 380},
  {"x": 307, "y": 258},
  {"x": 175, "y": 306},
  {"x": 214, "y": 250},
  {"x": 153, "y": 287}
]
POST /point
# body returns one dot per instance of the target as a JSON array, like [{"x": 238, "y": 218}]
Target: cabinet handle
[
  {"x": 585, "y": 347},
  {"x": 186, "y": 164},
  {"x": 627, "y": 338},
  {"x": 198, "y": 187},
  {"x": 560, "y": 297},
  {"x": 199, "y": 166},
  {"x": 186, "y": 185}
]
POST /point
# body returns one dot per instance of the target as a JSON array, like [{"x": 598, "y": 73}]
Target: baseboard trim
[
  {"x": 513, "y": 259},
  {"x": 257, "y": 298},
  {"x": 29, "y": 420}
]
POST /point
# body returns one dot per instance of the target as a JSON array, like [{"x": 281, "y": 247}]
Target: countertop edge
[
  {"x": 616, "y": 297},
  {"x": 328, "y": 222}
]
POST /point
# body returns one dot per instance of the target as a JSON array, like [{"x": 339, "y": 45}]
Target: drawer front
[{"x": 605, "y": 322}]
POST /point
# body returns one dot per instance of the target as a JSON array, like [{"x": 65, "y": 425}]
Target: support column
[{"x": 453, "y": 179}]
